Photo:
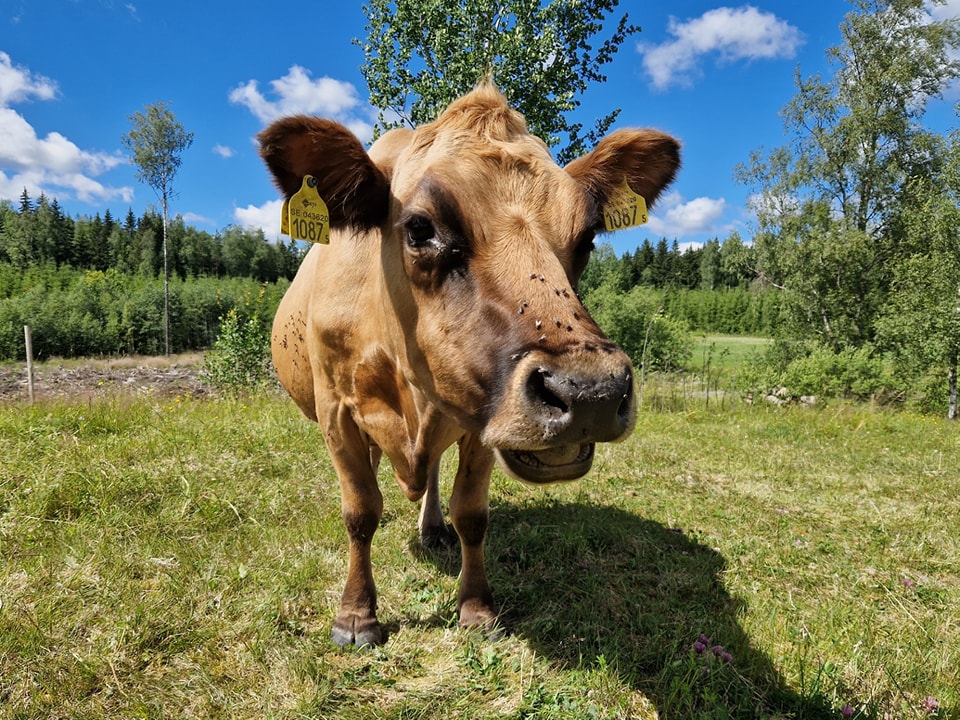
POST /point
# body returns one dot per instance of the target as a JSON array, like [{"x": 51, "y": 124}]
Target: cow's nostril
[
  {"x": 578, "y": 407},
  {"x": 537, "y": 384}
]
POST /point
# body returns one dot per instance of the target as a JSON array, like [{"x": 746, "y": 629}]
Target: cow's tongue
[
  {"x": 566, "y": 462},
  {"x": 563, "y": 455}
]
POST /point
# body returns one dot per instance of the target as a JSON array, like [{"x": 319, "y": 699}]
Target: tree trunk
[
  {"x": 952, "y": 380},
  {"x": 166, "y": 285}
]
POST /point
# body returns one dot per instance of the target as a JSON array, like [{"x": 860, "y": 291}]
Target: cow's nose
[{"x": 579, "y": 407}]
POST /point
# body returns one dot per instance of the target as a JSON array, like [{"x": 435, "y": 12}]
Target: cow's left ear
[
  {"x": 355, "y": 191},
  {"x": 647, "y": 159}
]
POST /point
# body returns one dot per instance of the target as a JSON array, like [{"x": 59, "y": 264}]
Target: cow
[{"x": 444, "y": 310}]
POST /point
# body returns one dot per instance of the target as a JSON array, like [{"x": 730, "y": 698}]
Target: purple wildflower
[
  {"x": 846, "y": 711},
  {"x": 699, "y": 647},
  {"x": 726, "y": 657},
  {"x": 930, "y": 705},
  {"x": 907, "y": 582}
]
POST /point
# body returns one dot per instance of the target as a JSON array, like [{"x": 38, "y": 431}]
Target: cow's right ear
[{"x": 355, "y": 191}]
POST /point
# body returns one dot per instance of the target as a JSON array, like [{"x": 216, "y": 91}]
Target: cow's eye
[{"x": 420, "y": 232}]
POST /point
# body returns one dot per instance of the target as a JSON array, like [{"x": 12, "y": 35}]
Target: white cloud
[
  {"x": 266, "y": 217},
  {"x": 296, "y": 92},
  {"x": 675, "y": 218},
  {"x": 950, "y": 9},
  {"x": 52, "y": 164},
  {"x": 194, "y": 219},
  {"x": 224, "y": 151},
  {"x": 18, "y": 84},
  {"x": 742, "y": 33}
]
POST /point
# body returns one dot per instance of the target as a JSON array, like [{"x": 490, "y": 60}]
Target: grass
[
  {"x": 183, "y": 558},
  {"x": 725, "y": 352}
]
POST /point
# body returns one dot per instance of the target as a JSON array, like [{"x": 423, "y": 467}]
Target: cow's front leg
[
  {"x": 470, "y": 510},
  {"x": 361, "y": 505},
  {"x": 434, "y": 531}
]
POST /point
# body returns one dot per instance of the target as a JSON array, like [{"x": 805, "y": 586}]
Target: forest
[{"x": 94, "y": 286}]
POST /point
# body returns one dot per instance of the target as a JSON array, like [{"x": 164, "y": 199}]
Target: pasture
[{"x": 172, "y": 557}]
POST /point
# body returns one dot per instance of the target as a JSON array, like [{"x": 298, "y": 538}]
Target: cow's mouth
[{"x": 566, "y": 462}]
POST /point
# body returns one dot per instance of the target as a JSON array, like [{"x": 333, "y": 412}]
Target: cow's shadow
[{"x": 590, "y": 585}]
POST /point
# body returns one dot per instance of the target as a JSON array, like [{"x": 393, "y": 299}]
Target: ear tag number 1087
[
  {"x": 626, "y": 209},
  {"x": 305, "y": 215}
]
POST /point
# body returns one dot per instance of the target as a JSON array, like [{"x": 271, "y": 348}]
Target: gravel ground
[{"x": 71, "y": 379}]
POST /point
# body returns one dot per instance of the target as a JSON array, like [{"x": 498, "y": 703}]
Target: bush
[
  {"x": 239, "y": 360},
  {"x": 634, "y": 320},
  {"x": 81, "y": 313},
  {"x": 815, "y": 369}
]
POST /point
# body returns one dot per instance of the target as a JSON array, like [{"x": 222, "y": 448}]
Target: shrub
[
  {"x": 634, "y": 320},
  {"x": 239, "y": 360},
  {"x": 815, "y": 369}
]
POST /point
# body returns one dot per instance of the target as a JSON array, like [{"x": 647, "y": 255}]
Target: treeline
[
  {"x": 38, "y": 233},
  {"x": 715, "y": 265},
  {"x": 712, "y": 288},
  {"x": 94, "y": 286},
  {"x": 75, "y": 313}
]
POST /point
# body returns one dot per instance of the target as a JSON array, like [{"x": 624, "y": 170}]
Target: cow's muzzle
[{"x": 560, "y": 413}]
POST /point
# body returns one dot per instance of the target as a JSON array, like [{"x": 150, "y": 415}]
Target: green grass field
[
  {"x": 725, "y": 352},
  {"x": 178, "y": 558}
]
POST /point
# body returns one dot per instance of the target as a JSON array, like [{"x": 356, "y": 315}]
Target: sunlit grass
[{"x": 183, "y": 558}]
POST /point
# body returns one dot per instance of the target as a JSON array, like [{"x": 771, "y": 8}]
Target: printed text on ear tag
[
  {"x": 625, "y": 209},
  {"x": 306, "y": 214}
]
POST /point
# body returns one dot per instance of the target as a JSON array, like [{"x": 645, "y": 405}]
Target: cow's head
[{"x": 482, "y": 241}]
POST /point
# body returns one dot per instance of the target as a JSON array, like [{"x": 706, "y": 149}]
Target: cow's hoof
[
  {"x": 438, "y": 537},
  {"x": 478, "y": 616},
  {"x": 355, "y": 631}
]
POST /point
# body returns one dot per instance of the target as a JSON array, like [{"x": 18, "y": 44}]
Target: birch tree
[
  {"x": 420, "y": 55},
  {"x": 157, "y": 141}
]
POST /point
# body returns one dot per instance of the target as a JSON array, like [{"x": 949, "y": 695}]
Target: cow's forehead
[
  {"x": 483, "y": 179},
  {"x": 494, "y": 195}
]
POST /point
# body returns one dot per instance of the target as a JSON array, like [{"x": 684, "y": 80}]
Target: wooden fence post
[{"x": 29, "y": 342}]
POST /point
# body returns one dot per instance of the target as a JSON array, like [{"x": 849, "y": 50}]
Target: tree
[
  {"x": 157, "y": 141},
  {"x": 710, "y": 271},
  {"x": 920, "y": 324},
  {"x": 603, "y": 268},
  {"x": 422, "y": 55},
  {"x": 832, "y": 202},
  {"x": 736, "y": 261}
]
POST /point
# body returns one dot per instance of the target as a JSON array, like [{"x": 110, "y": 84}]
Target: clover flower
[{"x": 930, "y": 705}]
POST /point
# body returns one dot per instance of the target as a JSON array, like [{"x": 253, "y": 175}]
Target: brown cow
[{"x": 444, "y": 310}]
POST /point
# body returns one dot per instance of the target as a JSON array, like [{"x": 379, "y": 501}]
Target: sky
[{"x": 73, "y": 71}]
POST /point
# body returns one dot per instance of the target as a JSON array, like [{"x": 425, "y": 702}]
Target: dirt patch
[{"x": 72, "y": 379}]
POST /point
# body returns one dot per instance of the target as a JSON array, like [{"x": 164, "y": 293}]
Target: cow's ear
[
  {"x": 355, "y": 191},
  {"x": 647, "y": 159}
]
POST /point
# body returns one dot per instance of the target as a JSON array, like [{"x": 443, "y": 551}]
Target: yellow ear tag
[
  {"x": 306, "y": 214},
  {"x": 625, "y": 209}
]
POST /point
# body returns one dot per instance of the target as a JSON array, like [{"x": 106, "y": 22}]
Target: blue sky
[{"x": 72, "y": 71}]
